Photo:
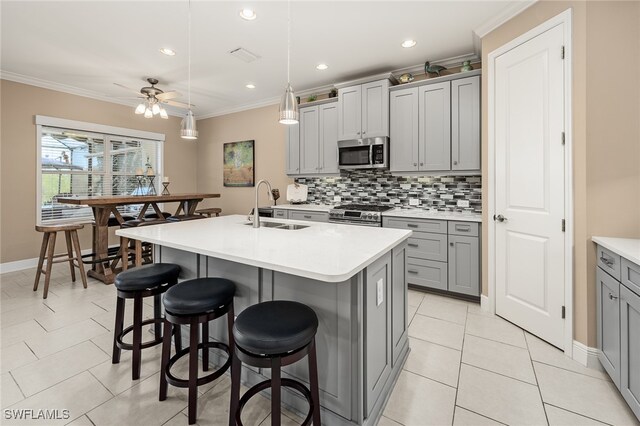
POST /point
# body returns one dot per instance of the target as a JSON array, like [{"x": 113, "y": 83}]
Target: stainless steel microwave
[{"x": 369, "y": 153}]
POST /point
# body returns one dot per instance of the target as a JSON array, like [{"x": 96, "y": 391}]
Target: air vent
[{"x": 243, "y": 54}]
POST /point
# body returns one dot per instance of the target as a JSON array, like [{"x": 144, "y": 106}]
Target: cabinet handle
[
  {"x": 357, "y": 133},
  {"x": 451, "y": 244},
  {"x": 606, "y": 261},
  {"x": 463, "y": 228},
  {"x": 411, "y": 271},
  {"x": 415, "y": 164},
  {"x": 422, "y": 164},
  {"x": 412, "y": 245},
  {"x": 363, "y": 132},
  {"x": 612, "y": 297},
  {"x": 411, "y": 225},
  {"x": 307, "y": 216},
  {"x": 455, "y": 162}
]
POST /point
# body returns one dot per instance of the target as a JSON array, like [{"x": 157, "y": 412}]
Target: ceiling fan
[{"x": 153, "y": 97}]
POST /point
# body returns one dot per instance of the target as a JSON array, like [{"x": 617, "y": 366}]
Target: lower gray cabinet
[
  {"x": 310, "y": 216},
  {"x": 464, "y": 265},
  {"x": 280, "y": 213},
  {"x": 608, "y": 319},
  {"x": 630, "y": 348},
  {"x": 427, "y": 273}
]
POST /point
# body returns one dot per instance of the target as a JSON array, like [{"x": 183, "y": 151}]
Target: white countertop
[
  {"x": 414, "y": 213},
  {"x": 323, "y": 251},
  {"x": 629, "y": 248}
]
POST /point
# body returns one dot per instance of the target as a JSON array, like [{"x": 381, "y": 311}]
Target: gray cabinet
[
  {"x": 309, "y": 140},
  {"x": 311, "y": 216},
  {"x": 363, "y": 110},
  {"x": 465, "y": 124},
  {"x": 328, "y": 138},
  {"x": 442, "y": 255},
  {"x": 630, "y": 348},
  {"x": 292, "y": 145},
  {"x": 434, "y": 127},
  {"x": 404, "y": 129},
  {"x": 281, "y": 213},
  {"x": 608, "y": 319},
  {"x": 318, "y": 139}
]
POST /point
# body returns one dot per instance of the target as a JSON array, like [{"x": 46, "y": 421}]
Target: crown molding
[
  {"x": 500, "y": 18},
  {"x": 59, "y": 87},
  {"x": 454, "y": 61}
]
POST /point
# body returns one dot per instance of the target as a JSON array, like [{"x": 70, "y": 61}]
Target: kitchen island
[{"x": 352, "y": 276}]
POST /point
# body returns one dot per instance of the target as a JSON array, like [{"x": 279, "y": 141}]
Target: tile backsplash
[{"x": 375, "y": 186}]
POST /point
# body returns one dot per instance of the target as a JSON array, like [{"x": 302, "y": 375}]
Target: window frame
[{"x": 107, "y": 132}]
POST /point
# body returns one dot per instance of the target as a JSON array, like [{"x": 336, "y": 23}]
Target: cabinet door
[
  {"x": 309, "y": 216},
  {"x": 630, "y": 348},
  {"x": 608, "y": 324},
  {"x": 464, "y": 265},
  {"x": 434, "y": 132},
  {"x": 292, "y": 133},
  {"x": 465, "y": 124},
  {"x": 349, "y": 113},
  {"x": 399, "y": 294},
  {"x": 403, "y": 147},
  {"x": 329, "y": 138},
  {"x": 309, "y": 140},
  {"x": 375, "y": 109}
]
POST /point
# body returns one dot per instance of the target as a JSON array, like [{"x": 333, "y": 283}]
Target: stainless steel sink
[
  {"x": 292, "y": 227},
  {"x": 279, "y": 225}
]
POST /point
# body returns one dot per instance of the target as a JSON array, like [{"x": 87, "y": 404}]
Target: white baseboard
[
  {"x": 586, "y": 355},
  {"x": 484, "y": 303},
  {"x": 20, "y": 265}
]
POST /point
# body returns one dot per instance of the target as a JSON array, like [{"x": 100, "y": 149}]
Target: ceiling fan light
[
  {"x": 188, "y": 126},
  {"x": 155, "y": 109},
  {"x": 140, "y": 108},
  {"x": 289, "y": 113},
  {"x": 148, "y": 113},
  {"x": 163, "y": 113}
]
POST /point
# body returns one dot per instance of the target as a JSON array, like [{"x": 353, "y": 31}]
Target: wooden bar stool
[
  {"x": 210, "y": 212},
  {"x": 49, "y": 240}
]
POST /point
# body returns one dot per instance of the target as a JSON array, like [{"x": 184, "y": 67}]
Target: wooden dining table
[{"x": 104, "y": 206}]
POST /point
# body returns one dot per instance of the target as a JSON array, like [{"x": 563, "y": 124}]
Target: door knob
[{"x": 499, "y": 218}]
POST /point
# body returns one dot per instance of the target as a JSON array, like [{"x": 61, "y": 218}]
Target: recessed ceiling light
[
  {"x": 322, "y": 67},
  {"x": 248, "y": 14},
  {"x": 408, "y": 43},
  {"x": 168, "y": 52},
  {"x": 250, "y": 86}
]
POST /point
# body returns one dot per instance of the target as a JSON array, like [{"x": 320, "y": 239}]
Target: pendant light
[
  {"x": 188, "y": 126},
  {"x": 289, "y": 113}
]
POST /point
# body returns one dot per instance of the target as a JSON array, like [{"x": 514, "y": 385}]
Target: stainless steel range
[{"x": 358, "y": 214}]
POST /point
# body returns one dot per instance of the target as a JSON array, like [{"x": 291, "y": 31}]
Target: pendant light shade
[
  {"x": 289, "y": 113},
  {"x": 188, "y": 127}
]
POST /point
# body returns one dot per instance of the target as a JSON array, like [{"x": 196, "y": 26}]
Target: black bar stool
[
  {"x": 272, "y": 335},
  {"x": 138, "y": 283},
  {"x": 195, "y": 302}
]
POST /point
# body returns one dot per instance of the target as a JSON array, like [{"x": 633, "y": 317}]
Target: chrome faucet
[{"x": 256, "y": 215}]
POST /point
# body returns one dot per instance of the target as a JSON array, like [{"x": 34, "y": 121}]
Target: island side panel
[{"x": 399, "y": 302}]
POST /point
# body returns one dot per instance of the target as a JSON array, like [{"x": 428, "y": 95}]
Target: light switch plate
[
  {"x": 380, "y": 286},
  {"x": 337, "y": 198},
  {"x": 463, "y": 203}
]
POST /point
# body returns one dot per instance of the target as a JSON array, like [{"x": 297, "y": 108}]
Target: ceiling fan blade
[
  {"x": 137, "y": 92},
  {"x": 178, "y": 104},
  {"x": 168, "y": 95},
  {"x": 129, "y": 97}
]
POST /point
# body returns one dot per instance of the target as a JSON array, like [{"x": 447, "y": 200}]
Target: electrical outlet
[
  {"x": 380, "y": 298},
  {"x": 463, "y": 203}
]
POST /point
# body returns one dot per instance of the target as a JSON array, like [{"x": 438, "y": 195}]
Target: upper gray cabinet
[
  {"x": 435, "y": 126},
  {"x": 465, "y": 124},
  {"x": 317, "y": 141},
  {"x": 292, "y": 133},
  {"x": 363, "y": 110}
]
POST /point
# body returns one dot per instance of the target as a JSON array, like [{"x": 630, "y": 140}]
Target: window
[{"x": 76, "y": 162}]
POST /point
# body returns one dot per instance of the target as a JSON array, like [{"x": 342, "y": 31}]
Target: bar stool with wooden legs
[
  {"x": 208, "y": 212},
  {"x": 49, "y": 241}
]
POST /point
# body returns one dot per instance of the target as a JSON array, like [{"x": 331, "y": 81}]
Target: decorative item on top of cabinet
[
  {"x": 405, "y": 78},
  {"x": 333, "y": 93},
  {"x": 363, "y": 110},
  {"x": 433, "y": 69},
  {"x": 466, "y": 66}
]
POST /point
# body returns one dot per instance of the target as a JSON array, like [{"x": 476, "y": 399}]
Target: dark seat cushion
[
  {"x": 147, "y": 276},
  {"x": 199, "y": 296},
  {"x": 183, "y": 217},
  {"x": 142, "y": 222},
  {"x": 275, "y": 327},
  {"x": 155, "y": 215}
]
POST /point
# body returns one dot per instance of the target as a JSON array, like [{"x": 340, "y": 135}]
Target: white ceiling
[{"x": 88, "y": 45}]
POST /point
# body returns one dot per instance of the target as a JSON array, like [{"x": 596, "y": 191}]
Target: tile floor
[{"x": 465, "y": 368}]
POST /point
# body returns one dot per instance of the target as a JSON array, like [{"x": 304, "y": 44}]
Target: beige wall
[
  {"x": 261, "y": 125},
  {"x": 606, "y": 132},
  {"x": 19, "y": 104}
]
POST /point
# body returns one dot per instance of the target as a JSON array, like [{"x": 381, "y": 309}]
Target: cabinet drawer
[
  {"x": 282, "y": 214},
  {"x": 609, "y": 262},
  {"x": 630, "y": 276},
  {"x": 427, "y": 273},
  {"x": 469, "y": 229},
  {"x": 428, "y": 246},
  {"x": 608, "y": 324},
  {"x": 311, "y": 216},
  {"x": 424, "y": 225}
]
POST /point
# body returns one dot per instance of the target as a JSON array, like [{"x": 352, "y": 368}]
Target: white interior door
[{"x": 529, "y": 185}]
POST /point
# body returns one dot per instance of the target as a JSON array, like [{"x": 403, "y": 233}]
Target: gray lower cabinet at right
[
  {"x": 442, "y": 255},
  {"x": 618, "y": 324}
]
